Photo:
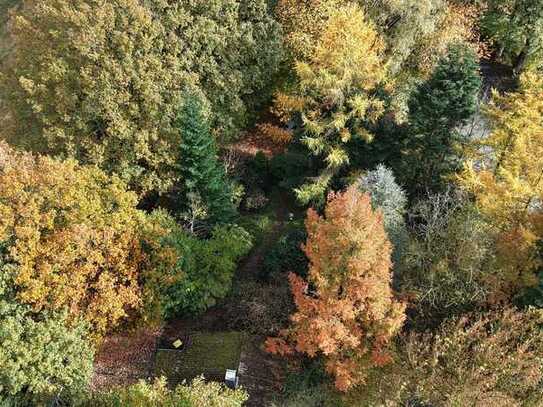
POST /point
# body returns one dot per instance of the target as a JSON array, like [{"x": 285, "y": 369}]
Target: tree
[
  {"x": 42, "y": 357},
  {"x": 448, "y": 260},
  {"x": 475, "y": 360},
  {"x": 516, "y": 28},
  {"x": 388, "y": 197},
  {"x": 101, "y": 81},
  {"x": 201, "y": 172},
  {"x": 504, "y": 175},
  {"x": 346, "y": 310},
  {"x": 436, "y": 108},
  {"x": 74, "y": 235},
  {"x": 333, "y": 91}
]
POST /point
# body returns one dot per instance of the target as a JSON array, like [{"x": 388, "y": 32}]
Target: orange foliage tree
[
  {"x": 346, "y": 310},
  {"x": 72, "y": 234}
]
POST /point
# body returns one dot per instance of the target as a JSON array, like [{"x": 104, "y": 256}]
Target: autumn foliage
[
  {"x": 346, "y": 310},
  {"x": 72, "y": 233},
  {"x": 504, "y": 175}
]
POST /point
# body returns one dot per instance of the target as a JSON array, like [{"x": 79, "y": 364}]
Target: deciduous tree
[
  {"x": 346, "y": 311},
  {"x": 388, "y": 197},
  {"x": 72, "y": 233},
  {"x": 504, "y": 175},
  {"x": 41, "y": 355},
  {"x": 101, "y": 81}
]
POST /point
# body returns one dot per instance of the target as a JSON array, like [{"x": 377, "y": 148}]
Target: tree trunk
[{"x": 521, "y": 59}]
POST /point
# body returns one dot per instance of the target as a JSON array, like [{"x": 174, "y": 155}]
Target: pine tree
[
  {"x": 436, "y": 108},
  {"x": 202, "y": 174}
]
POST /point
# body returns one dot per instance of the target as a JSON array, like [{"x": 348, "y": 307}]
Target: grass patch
[{"x": 209, "y": 354}]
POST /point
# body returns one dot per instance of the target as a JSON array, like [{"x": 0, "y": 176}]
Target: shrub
[
  {"x": 448, "y": 259},
  {"x": 286, "y": 255},
  {"x": 290, "y": 169},
  {"x": 261, "y": 309},
  {"x": 258, "y": 172},
  {"x": 196, "y": 394},
  {"x": 191, "y": 274},
  {"x": 475, "y": 360},
  {"x": 255, "y": 200}
]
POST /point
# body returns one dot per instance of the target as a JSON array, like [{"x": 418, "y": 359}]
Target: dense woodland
[{"x": 355, "y": 184}]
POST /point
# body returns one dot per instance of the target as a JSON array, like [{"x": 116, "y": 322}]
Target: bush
[
  {"x": 255, "y": 200},
  {"x": 290, "y": 169},
  {"x": 261, "y": 309},
  {"x": 308, "y": 386},
  {"x": 196, "y": 394},
  {"x": 257, "y": 174},
  {"x": 286, "y": 255},
  {"x": 488, "y": 360},
  {"x": 191, "y": 274}
]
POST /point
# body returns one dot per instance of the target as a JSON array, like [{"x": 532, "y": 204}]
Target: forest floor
[{"x": 127, "y": 357}]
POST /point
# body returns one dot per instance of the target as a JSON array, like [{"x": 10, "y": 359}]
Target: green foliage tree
[
  {"x": 387, "y": 196},
  {"x": 42, "y": 357},
  {"x": 436, "y": 108},
  {"x": 202, "y": 174},
  {"x": 516, "y": 28},
  {"x": 101, "y": 81},
  {"x": 191, "y": 274}
]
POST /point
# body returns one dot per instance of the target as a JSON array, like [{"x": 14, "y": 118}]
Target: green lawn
[{"x": 210, "y": 354}]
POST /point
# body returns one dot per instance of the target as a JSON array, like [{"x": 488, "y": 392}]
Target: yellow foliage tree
[
  {"x": 346, "y": 311},
  {"x": 73, "y": 234},
  {"x": 505, "y": 174},
  {"x": 338, "y": 66}
]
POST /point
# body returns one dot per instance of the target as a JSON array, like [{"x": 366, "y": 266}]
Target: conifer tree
[
  {"x": 202, "y": 175},
  {"x": 436, "y": 108},
  {"x": 338, "y": 67},
  {"x": 390, "y": 198},
  {"x": 346, "y": 311}
]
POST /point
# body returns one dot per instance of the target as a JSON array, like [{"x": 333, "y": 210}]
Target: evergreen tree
[
  {"x": 436, "y": 108},
  {"x": 391, "y": 199},
  {"x": 202, "y": 175}
]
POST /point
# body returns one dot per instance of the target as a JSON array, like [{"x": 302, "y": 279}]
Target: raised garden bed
[{"x": 202, "y": 353}]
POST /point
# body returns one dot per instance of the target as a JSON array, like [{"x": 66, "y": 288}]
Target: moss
[{"x": 209, "y": 354}]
